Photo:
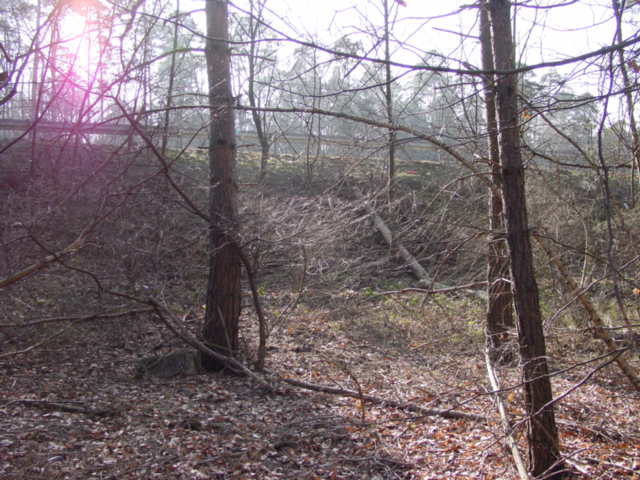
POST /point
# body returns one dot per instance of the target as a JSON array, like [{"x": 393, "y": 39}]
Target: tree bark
[
  {"x": 542, "y": 433},
  {"x": 500, "y": 299},
  {"x": 220, "y": 331}
]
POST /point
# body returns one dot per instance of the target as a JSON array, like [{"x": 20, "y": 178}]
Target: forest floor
[
  {"x": 71, "y": 406},
  {"x": 75, "y": 411}
]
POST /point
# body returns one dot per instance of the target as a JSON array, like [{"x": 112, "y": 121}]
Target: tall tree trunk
[
  {"x": 499, "y": 297},
  {"x": 628, "y": 94},
  {"x": 220, "y": 331},
  {"x": 36, "y": 98},
  {"x": 542, "y": 434},
  {"x": 263, "y": 137},
  {"x": 314, "y": 126},
  {"x": 172, "y": 76},
  {"x": 391, "y": 166}
]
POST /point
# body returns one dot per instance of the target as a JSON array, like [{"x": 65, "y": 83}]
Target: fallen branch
[
  {"x": 202, "y": 348},
  {"x": 77, "y": 318},
  {"x": 412, "y": 262},
  {"x": 45, "y": 262},
  {"x": 410, "y": 407},
  {"x": 70, "y": 407},
  {"x": 195, "y": 343},
  {"x": 599, "y": 431},
  {"x": 598, "y": 327},
  {"x": 36, "y": 345},
  {"x": 506, "y": 424},
  {"x": 434, "y": 291}
]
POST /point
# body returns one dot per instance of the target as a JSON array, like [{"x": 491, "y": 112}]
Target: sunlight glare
[
  {"x": 77, "y": 57},
  {"x": 72, "y": 31}
]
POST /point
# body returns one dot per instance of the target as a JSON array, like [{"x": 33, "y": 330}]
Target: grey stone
[{"x": 181, "y": 363}]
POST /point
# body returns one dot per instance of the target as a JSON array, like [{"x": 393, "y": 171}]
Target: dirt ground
[
  {"x": 71, "y": 406},
  {"x": 74, "y": 410}
]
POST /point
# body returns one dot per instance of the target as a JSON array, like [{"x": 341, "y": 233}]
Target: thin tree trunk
[
  {"x": 628, "y": 89},
  {"x": 36, "y": 95},
  {"x": 220, "y": 330},
  {"x": 263, "y": 138},
  {"x": 542, "y": 433},
  {"x": 391, "y": 166},
  {"x": 500, "y": 299},
  {"x": 315, "y": 125},
  {"x": 39, "y": 89},
  {"x": 172, "y": 75}
]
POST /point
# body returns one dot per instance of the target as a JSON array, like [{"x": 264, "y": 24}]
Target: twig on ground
[
  {"x": 70, "y": 407},
  {"x": 453, "y": 414},
  {"x": 72, "y": 248},
  {"x": 433, "y": 291},
  {"x": 77, "y": 318},
  {"x": 506, "y": 424},
  {"x": 36, "y": 345}
]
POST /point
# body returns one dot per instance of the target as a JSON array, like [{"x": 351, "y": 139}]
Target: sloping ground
[{"x": 71, "y": 407}]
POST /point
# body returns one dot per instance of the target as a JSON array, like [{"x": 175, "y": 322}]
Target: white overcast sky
[
  {"x": 557, "y": 32},
  {"x": 426, "y": 25}
]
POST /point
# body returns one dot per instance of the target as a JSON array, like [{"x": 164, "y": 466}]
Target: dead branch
[
  {"x": 262, "y": 323},
  {"x": 466, "y": 286},
  {"x": 166, "y": 167},
  {"x": 36, "y": 345},
  {"x": 45, "y": 262},
  {"x": 189, "y": 339},
  {"x": 70, "y": 407},
  {"x": 78, "y": 318},
  {"x": 413, "y": 263},
  {"x": 410, "y": 407},
  {"x": 598, "y": 327},
  {"x": 506, "y": 424}
]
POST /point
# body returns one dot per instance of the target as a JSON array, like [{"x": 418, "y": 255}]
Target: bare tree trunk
[
  {"x": 542, "y": 433},
  {"x": 172, "y": 75},
  {"x": 314, "y": 128},
  {"x": 263, "y": 137},
  {"x": 39, "y": 91},
  {"x": 220, "y": 330},
  {"x": 391, "y": 166},
  {"x": 628, "y": 93},
  {"x": 500, "y": 299},
  {"x": 36, "y": 95}
]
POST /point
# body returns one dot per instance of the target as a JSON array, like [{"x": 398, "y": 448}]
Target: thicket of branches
[{"x": 337, "y": 132}]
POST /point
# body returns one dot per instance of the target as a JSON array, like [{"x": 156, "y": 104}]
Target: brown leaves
[{"x": 220, "y": 427}]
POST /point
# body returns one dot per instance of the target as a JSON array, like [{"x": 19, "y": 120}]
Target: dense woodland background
[{"x": 232, "y": 246}]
